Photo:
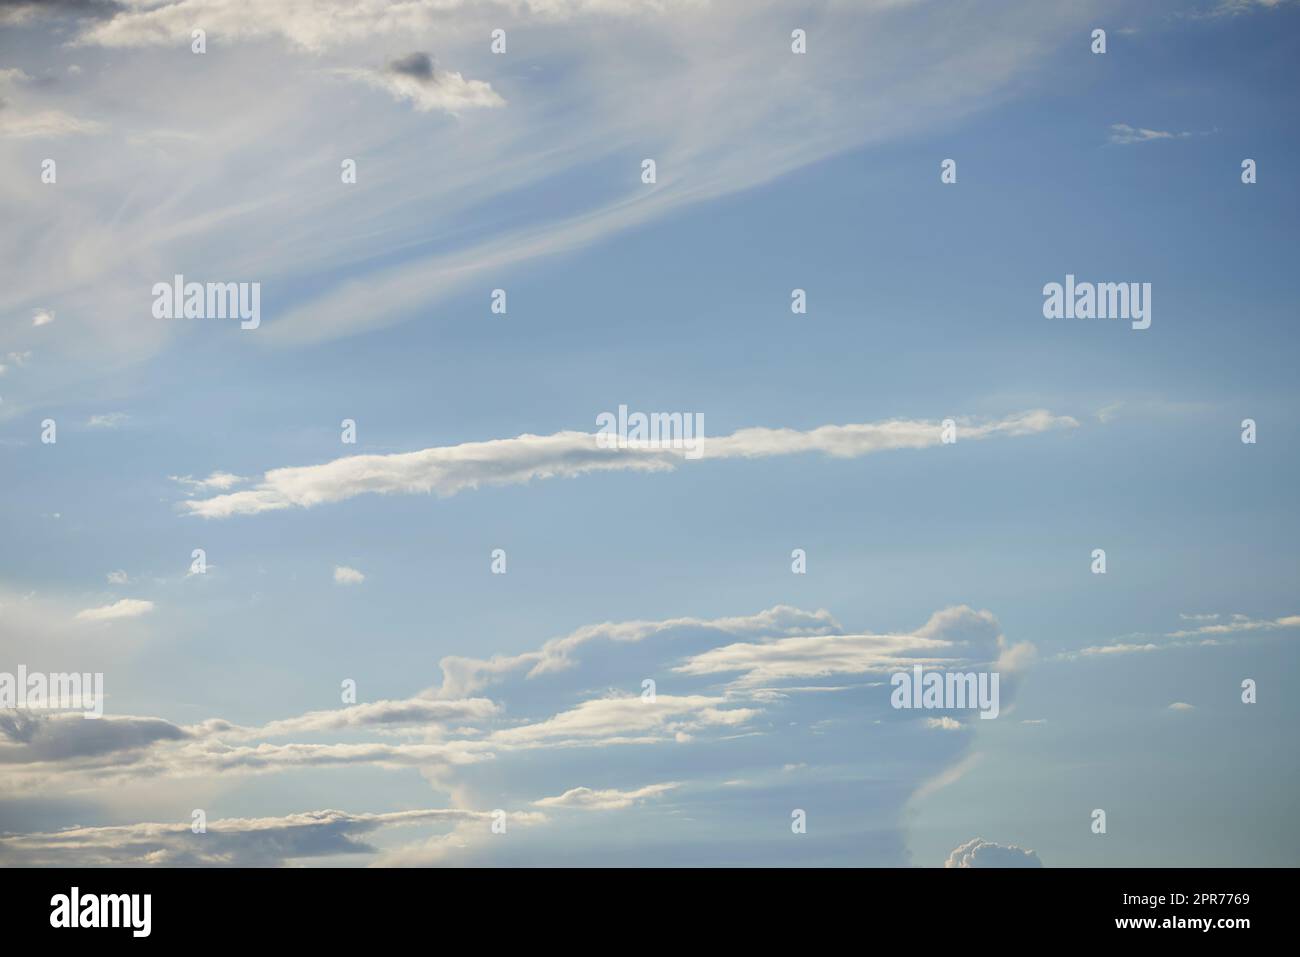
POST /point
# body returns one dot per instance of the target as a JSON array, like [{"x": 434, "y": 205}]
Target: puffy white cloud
[
  {"x": 343, "y": 575},
  {"x": 981, "y": 853},
  {"x": 944, "y": 723}
]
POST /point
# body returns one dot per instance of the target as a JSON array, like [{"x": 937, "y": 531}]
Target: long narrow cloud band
[{"x": 447, "y": 470}]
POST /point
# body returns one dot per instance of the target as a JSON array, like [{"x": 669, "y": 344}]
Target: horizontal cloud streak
[
  {"x": 609, "y": 799},
  {"x": 448, "y": 470},
  {"x": 234, "y": 842}
]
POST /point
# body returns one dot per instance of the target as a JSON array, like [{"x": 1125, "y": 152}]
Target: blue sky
[{"x": 776, "y": 171}]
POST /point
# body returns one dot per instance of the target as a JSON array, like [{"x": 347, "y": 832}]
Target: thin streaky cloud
[
  {"x": 448, "y": 470},
  {"x": 605, "y": 799},
  {"x": 1123, "y": 134}
]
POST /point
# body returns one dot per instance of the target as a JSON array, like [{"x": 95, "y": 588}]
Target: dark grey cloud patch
[
  {"x": 27, "y": 737},
  {"x": 18, "y": 11},
  {"x": 419, "y": 66},
  {"x": 237, "y": 842}
]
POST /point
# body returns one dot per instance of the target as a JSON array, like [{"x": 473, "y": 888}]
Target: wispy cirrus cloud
[
  {"x": 1122, "y": 134},
  {"x": 1221, "y": 629},
  {"x": 324, "y": 24},
  {"x": 217, "y": 481}
]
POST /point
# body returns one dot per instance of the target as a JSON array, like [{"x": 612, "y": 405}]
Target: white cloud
[
  {"x": 343, "y": 575},
  {"x": 944, "y": 723},
  {"x": 462, "y": 676},
  {"x": 420, "y": 713},
  {"x": 1182, "y": 706},
  {"x": 951, "y": 637},
  {"x": 473, "y": 747},
  {"x": 623, "y": 720},
  {"x": 448, "y": 470},
  {"x": 1218, "y": 631},
  {"x": 108, "y": 420},
  {"x": 1239, "y": 624},
  {"x": 326, "y": 24},
  {"x": 608, "y": 799},
  {"x": 42, "y": 317},
  {"x": 118, "y": 577},
  {"x": 418, "y": 80},
  {"x": 981, "y": 853},
  {"x": 123, "y": 608},
  {"x": 216, "y": 481},
  {"x": 1122, "y": 134}
]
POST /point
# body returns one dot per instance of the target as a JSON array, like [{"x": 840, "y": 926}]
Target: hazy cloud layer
[{"x": 548, "y": 702}]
